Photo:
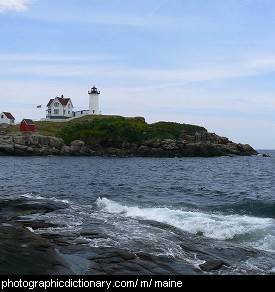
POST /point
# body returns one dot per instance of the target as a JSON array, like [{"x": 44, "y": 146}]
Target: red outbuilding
[{"x": 27, "y": 125}]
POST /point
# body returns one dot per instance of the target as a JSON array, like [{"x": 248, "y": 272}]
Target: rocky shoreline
[
  {"x": 29, "y": 247},
  {"x": 201, "y": 144}
]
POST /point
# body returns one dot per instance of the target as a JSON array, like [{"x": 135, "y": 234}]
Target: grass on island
[
  {"x": 52, "y": 128},
  {"x": 92, "y": 129},
  {"x": 44, "y": 128}
]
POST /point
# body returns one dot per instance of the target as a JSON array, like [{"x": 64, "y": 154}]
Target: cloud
[
  {"x": 62, "y": 66},
  {"x": 18, "y": 5}
]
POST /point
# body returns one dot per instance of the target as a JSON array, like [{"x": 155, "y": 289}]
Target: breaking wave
[{"x": 215, "y": 226}]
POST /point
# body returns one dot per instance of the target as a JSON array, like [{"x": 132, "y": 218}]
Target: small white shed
[{"x": 6, "y": 118}]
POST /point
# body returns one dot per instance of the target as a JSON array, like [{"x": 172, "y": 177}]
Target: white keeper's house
[{"x": 61, "y": 109}]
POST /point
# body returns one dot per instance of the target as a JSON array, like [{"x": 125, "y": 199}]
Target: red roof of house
[
  {"x": 63, "y": 101},
  {"x": 9, "y": 116},
  {"x": 50, "y": 102}
]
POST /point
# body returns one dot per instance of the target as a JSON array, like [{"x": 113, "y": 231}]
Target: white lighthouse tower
[{"x": 94, "y": 101}]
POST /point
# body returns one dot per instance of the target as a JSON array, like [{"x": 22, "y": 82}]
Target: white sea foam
[
  {"x": 30, "y": 229},
  {"x": 217, "y": 226},
  {"x": 41, "y": 197},
  {"x": 32, "y": 196}
]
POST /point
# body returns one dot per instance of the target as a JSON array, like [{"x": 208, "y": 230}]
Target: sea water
[{"x": 169, "y": 208}]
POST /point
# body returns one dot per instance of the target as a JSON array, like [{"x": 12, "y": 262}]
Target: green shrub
[
  {"x": 123, "y": 129},
  {"x": 169, "y": 130},
  {"x": 112, "y": 128}
]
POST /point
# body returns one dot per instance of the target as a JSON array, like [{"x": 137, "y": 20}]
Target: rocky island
[{"x": 118, "y": 136}]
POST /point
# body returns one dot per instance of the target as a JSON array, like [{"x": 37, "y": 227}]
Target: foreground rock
[
  {"x": 201, "y": 144},
  {"x": 25, "y": 253}
]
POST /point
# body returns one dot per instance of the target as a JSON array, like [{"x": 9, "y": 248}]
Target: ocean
[{"x": 109, "y": 215}]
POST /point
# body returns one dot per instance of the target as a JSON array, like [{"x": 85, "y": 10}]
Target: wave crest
[{"x": 216, "y": 226}]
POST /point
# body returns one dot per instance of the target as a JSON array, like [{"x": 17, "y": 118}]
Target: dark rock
[
  {"x": 7, "y": 149},
  {"x": 29, "y": 144},
  {"x": 25, "y": 253},
  {"x": 65, "y": 150},
  {"x": 77, "y": 143},
  {"x": 113, "y": 252},
  {"x": 140, "y": 119},
  {"x": 211, "y": 265},
  {"x": 200, "y": 144},
  {"x": 263, "y": 155}
]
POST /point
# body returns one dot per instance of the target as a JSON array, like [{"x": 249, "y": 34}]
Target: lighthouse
[{"x": 94, "y": 101}]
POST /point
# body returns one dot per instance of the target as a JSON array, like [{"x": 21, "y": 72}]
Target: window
[
  {"x": 2, "y": 116},
  {"x": 69, "y": 106},
  {"x": 56, "y": 104},
  {"x": 56, "y": 112}
]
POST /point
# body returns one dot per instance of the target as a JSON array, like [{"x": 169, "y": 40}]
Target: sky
[{"x": 209, "y": 63}]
